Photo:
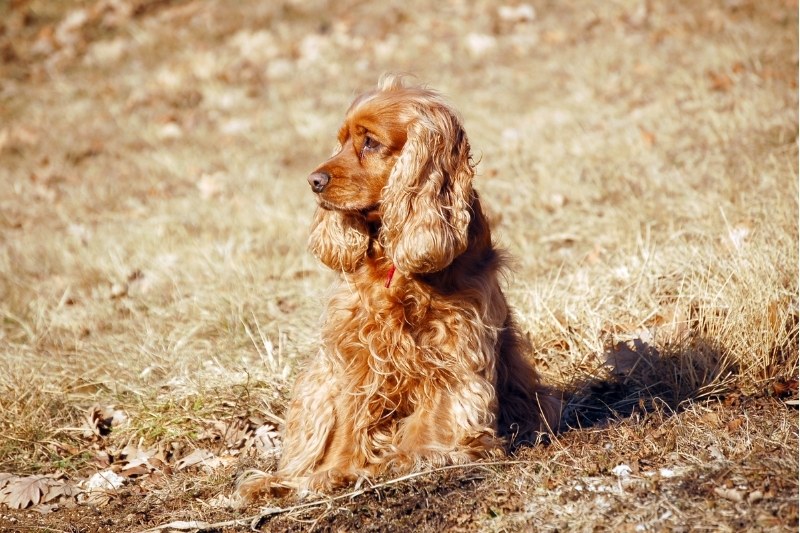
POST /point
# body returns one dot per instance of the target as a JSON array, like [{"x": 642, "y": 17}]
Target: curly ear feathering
[
  {"x": 421, "y": 362},
  {"x": 426, "y": 203}
]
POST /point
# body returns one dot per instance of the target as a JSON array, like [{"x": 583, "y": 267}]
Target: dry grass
[{"x": 639, "y": 159}]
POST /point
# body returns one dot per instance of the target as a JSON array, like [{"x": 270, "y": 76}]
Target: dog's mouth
[{"x": 370, "y": 213}]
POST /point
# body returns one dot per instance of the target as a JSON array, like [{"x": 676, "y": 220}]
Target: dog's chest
[{"x": 402, "y": 331}]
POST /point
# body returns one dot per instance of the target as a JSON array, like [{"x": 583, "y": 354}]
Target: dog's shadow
[{"x": 635, "y": 377}]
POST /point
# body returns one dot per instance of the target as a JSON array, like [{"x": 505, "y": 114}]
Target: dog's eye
[{"x": 370, "y": 144}]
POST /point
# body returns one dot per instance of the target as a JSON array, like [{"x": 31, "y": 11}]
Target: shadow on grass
[{"x": 636, "y": 378}]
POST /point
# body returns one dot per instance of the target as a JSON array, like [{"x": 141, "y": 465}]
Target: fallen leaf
[
  {"x": 732, "y": 400},
  {"x": 137, "y": 461},
  {"x": 198, "y": 457},
  {"x": 234, "y": 433},
  {"x": 783, "y": 387},
  {"x": 733, "y": 495},
  {"x": 267, "y": 438},
  {"x": 60, "y": 489},
  {"x": 102, "y": 458},
  {"x": 623, "y": 359},
  {"x": 5, "y": 479},
  {"x": 100, "y": 419},
  {"x": 735, "y": 424},
  {"x": 44, "y": 509},
  {"x": 25, "y": 491}
]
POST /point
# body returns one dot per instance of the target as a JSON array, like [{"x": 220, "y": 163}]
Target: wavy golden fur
[{"x": 421, "y": 362}]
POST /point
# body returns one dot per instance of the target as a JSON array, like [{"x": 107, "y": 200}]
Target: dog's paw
[
  {"x": 398, "y": 462},
  {"x": 255, "y": 485},
  {"x": 328, "y": 480}
]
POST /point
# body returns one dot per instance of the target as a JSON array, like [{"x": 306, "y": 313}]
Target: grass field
[{"x": 638, "y": 159}]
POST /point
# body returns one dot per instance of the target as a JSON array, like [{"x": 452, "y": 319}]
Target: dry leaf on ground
[{"x": 25, "y": 491}]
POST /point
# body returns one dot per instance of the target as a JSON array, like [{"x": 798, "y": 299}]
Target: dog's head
[{"x": 402, "y": 162}]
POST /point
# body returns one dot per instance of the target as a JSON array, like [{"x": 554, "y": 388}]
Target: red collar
[{"x": 389, "y": 276}]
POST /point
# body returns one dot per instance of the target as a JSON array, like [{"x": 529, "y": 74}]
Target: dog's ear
[
  {"x": 425, "y": 211},
  {"x": 338, "y": 240}
]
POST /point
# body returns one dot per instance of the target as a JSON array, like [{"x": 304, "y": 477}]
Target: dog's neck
[{"x": 480, "y": 252}]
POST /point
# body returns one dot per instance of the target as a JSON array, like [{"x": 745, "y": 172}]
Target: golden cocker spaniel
[{"x": 421, "y": 363}]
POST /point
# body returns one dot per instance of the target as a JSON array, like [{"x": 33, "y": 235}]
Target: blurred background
[{"x": 638, "y": 159}]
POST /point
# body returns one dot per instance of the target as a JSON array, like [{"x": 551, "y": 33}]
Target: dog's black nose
[{"x": 318, "y": 181}]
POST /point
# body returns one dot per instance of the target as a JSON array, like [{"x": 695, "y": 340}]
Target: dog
[{"x": 421, "y": 364}]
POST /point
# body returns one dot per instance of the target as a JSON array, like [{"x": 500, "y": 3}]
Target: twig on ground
[{"x": 272, "y": 511}]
